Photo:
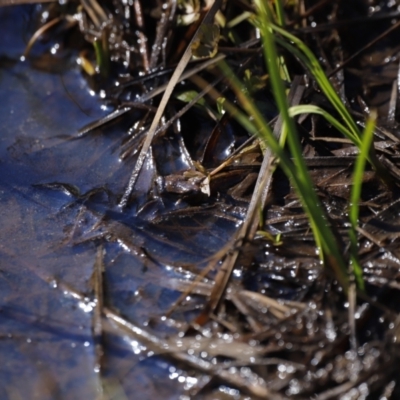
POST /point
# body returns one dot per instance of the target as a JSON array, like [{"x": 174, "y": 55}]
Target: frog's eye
[{"x": 206, "y": 43}]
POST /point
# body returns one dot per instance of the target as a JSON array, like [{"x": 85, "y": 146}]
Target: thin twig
[{"x": 366, "y": 47}]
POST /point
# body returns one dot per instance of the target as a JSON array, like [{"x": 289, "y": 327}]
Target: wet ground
[{"x": 87, "y": 287}]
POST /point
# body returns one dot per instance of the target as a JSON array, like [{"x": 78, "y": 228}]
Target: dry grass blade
[
  {"x": 337, "y": 391},
  {"x": 137, "y": 6},
  {"x": 305, "y": 13},
  {"x": 17, "y": 2},
  {"x": 250, "y": 384},
  {"x": 97, "y": 280},
  {"x": 96, "y": 13},
  {"x": 108, "y": 118},
  {"x": 167, "y": 94},
  {"x": 247, "y": 302},
  {"x": 278, "y": 309},
  {"x": 161, "y": 32}
]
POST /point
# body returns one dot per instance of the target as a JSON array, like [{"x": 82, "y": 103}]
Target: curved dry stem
[{"x": 39, "y": 33}]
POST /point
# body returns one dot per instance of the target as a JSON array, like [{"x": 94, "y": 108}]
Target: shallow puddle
[{"x": 47, "y": 333}]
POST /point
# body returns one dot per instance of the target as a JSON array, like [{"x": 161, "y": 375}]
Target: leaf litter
[{"x": 231, "y": 289}]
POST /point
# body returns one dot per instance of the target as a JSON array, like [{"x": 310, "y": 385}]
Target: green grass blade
[
  {"x": 311, "y": 109},
  {"x": 360, "y": 167},
  {"x": 303, "y": 53},
  {"x": 367, "y": 139},
  {"x": 280, "y": 14},
  {"x": 102, "y": 54}
]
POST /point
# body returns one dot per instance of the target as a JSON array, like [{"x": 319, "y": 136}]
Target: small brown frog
[
  {"x": 197, "y": 185},
  {"x": 190, "y": 183}
]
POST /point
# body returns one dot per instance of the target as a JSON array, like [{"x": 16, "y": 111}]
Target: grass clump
[{"x": 294, "y": 166}]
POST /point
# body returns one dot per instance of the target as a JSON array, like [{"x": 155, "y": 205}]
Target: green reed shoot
[{"x": 102, "y": 54}]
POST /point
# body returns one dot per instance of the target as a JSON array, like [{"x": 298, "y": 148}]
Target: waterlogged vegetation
[{"x": 200, "y": 199}]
